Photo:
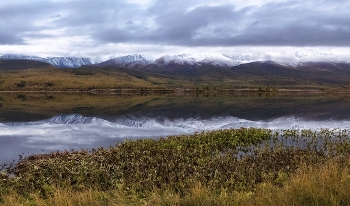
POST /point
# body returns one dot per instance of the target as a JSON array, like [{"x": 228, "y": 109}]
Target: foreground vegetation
[{"x": 244, "y": 166}]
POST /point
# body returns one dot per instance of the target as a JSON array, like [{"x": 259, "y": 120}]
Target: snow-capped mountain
[
  {"x": 68, "y": 62},
  {"x": 17, "y": 56},
  {"x": 62, "y": 62},
  {"x": 299, "y": 58},
  {"x": 309, "y": 53},
  {"x": 198, "y": 59},
  {"x": 289, "y": 58},
  {"x": 130, "y": 60},
  {"x": 190, "y": 60}
]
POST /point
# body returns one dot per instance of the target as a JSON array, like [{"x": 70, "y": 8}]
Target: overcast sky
[{"x": 108, "y": 27}]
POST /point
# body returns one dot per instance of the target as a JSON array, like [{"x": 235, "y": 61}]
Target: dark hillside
[
  {"x": 23, "y": 64},
  {"x": 258, "y": 73},
  {"x": 272, "y": 73},
  {"x": 312, "y": 74}
]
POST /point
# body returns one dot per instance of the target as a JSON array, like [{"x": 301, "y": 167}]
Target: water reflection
[{"x": 35, "y": 122}]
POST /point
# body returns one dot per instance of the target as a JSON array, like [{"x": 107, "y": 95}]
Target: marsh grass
[
  {"x": 325, "y": 184},
  {"x": 245, "y": 166}
]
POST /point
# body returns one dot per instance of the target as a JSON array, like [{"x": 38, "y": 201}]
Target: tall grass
[{"x": 311, "y": 185}]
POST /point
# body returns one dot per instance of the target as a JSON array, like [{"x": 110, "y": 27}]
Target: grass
[
  {"x": 311, "y": 185},
  {"x": 88, "y": 79},
  {"x": 67, "y": 80},
  {"x": 244, "y": 166}
]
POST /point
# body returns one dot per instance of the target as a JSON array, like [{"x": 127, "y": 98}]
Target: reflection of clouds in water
[{"x": 75, "y": 131}]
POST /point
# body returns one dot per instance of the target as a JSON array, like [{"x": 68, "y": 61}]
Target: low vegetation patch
[
  {"x": 19, "y": 77},
  {"x": 246, "y": 166}
]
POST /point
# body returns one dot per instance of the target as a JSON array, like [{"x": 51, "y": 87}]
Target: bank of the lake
[{"x": 245, "y": 166}]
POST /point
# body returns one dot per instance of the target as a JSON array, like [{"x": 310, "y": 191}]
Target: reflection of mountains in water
[
  {"x": 264, "y": 109},
  {"x": 309, "y": 107},
  {"x": 138, "y": 122},
  {"x": 184, "y": 124},
  {"x": 75, "y": 131},
  {"x": 59, "y": 119}
]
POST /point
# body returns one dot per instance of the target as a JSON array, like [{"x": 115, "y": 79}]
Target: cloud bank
[{"x": 88, "y": 27}]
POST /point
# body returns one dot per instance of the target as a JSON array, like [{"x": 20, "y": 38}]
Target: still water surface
[{"x": 32, "y": 123}]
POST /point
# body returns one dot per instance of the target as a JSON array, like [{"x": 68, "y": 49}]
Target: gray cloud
[
  {"x": 20, "y": 20},
  {"x": 288, "y": 23},
  {"x": 8, "y": 38},
  {"x": 183, "y": 23}
]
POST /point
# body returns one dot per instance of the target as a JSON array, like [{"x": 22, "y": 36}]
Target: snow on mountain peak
[
  {"x": 68, "y": 62},
  {"x": 62, "y": 62},
  {"x": 294, "y": 58},
  {"x": 141, "y": 58},
  {"x": 308, "y": 53},
  {"x": 199, "y": 58},
  {"x": 288, "y": 57},
  {"x": 130, "y": 60},
  {"x": 19, "y": 56}
]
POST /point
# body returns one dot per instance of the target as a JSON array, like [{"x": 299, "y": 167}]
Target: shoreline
[{"x": 176, "y": 90}]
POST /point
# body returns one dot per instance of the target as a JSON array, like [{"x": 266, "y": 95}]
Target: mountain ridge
[
  {"x": 61, "y": 62},
  {"x": 190, "y": 60},
  {"x": 32, "y": 75}
]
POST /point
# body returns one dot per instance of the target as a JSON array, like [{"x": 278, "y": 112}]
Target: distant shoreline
[{"x": 176, "y": 90}]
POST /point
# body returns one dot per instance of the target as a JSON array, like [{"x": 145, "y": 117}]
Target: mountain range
[
  {"x": 189, "y": 60},
  {"x": 61, "y": 62},
  {"x": 164, "y": 74}
]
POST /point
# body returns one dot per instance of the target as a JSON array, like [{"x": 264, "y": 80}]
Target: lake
[{"x": 32, "y": 123}]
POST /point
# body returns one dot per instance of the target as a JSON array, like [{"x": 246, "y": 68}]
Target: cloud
[
  {"x": 8, "y": 38},
  {"x": 182, "y": 23},
  {"x": 287, "y": 23},
  {"x": 23, "y": 20}
]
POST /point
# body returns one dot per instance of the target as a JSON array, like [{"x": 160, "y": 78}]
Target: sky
[{"x": 102, "y": 28}]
